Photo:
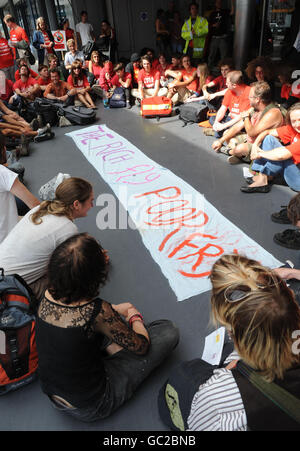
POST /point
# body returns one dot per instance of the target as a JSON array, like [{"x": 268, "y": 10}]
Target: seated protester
[
  {"x": 78, "y": 80},
  {"x": 133, "y": 68},
  {"x": 53, "y": 63},
  {"x": 154, "y": 61},
  {"x": 260, "y": 315},
  {"x": 44, "y": 80},
  {"x": 9, "y": 91},
  {"x": 72, "y": 55},
  {"x": 26, "y": 89},
  {"x": 180, "y": 90},
  {"x": 218, "y": 85},
  {"x": 93, "y": 355},
  {"x": 23, "y": 62},
  {"x": 122, "y": 79},
  {"x": 10, "y": 186},
  {"x": 162, "y": 67},
  {"x": 149, "y": 79},
  {"x": 13, "y": 125},
  {"x": 95, "y": 65},
  {"x": 173, "y": 72},
  {"x": 204, "y": 78},
  {"x": 105, "y": 79},
  {"x": 7, "y": 62},
  {"x": 287, "y": 96},
  {"x": 262, "y": 69},
  {"x": 28, "y": 247},
  {"x": 263, "y": 115},
  {"x": 59, "y": 90},
  {"x": 235, "y": 101},
  {"x": 277, "y": 157}
]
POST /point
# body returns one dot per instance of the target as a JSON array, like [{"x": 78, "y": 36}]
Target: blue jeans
[
  {"x": 126, "y": 371},
  {"x": 226, "y": 118},
  {"x": 289, "y": 170}
]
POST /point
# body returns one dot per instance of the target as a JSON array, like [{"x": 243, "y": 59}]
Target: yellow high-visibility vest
[{"x": 201, "y": 29}]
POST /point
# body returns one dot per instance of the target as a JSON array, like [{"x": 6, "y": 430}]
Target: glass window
[{"x": 64, "y": 11}]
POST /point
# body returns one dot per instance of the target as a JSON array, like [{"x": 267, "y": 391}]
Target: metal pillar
[
  {"x": 51, "y": 11},
  {"x": 263, "y": 26},
  {"x": 244, "y": 28}
]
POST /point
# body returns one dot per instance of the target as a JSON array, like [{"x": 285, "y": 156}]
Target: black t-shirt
[{"x": 221, "y": 17}]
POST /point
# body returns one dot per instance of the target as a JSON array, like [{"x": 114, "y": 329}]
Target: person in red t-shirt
[
  {"x": 6, "y": 58},
  {"x": 148, "y": 79},
  {"x": 279, "y": 154},
  {"x": 44, "y": 80},
  {"x": 218, "y": 85},
  {"x": 187, "y": 85},
  {"x": 236, "y": 100},
  {"x": 24, "y": 62},
  {"x": 9, "y": 91},
  {"x": 26, "y": 88},
  {"x": 162, "y": 68},
  {"x": 17, "y": 34},
  {"x": 79, "y": 81},
  {"x": 122, "y": 79}
]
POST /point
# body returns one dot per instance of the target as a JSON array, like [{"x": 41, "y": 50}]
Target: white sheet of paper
[
  {"x": 2, "y": 342},
  {"x": 213, "y": 348}
]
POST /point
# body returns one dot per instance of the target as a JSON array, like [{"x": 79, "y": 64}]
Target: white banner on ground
[{"x": 184, "y": 233}]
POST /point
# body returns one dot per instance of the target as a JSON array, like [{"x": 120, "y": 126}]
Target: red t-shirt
[
  {"x": 186, "y": 75},
  {"x": 6, "y": 54},
  {"x": 161, "y": 70},
  {"x": 23, "y": 86},
  {"x": 220, "y": 83},
  {"x": 81, "y": 82},
  {"x": 18, "y": 34},
  {"x": 115, "y": 79},
  {"x": 285, "y": 91},
  {"x": 289, "y": 136},
  {"x": 207, "y": 80},
  {"x": 155, "y": 63},
  {"x": 8, "y": 90},
  {"x": 148, "y": 79},
  {"x": 31, "y": 74},
  {"x": 237, "y": 103},
  {"x": 47, "y": 41},
  {"x": 43, "y": 82}
]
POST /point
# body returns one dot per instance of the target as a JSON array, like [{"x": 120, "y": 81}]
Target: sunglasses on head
[{"x": 243, "y": 291}]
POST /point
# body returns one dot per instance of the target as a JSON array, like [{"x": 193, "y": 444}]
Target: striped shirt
[{"x": 217, "y": 405}]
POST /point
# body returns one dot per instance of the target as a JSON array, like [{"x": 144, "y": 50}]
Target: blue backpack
[{"x": 118, "y": 99}]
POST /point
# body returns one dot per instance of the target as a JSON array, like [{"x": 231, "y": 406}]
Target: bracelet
[{"x": 135, "y": 317}]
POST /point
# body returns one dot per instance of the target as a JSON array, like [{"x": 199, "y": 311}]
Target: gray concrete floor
[{"x": 135, "y": 276}]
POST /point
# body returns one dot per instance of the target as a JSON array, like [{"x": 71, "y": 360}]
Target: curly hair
[
  {"x": 265, "y": 63},
  {"x": 77, "y": 268}
]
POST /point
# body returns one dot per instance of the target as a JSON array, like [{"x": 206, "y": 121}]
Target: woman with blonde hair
[
  {"x": 261, "y": 316},
  {"x": 27, "y": 248},
  {"x": 78, "y": 80},
  {"x": 43, "y": 41},
  {"x": 204, "y": 77}
]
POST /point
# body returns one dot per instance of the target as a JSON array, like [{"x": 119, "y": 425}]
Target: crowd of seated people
[{"x": 255, "y": 119}]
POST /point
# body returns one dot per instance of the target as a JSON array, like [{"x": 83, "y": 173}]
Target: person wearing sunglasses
[{"x": 262, "y": 319}]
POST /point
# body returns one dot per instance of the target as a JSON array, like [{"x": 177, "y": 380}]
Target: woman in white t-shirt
[{"x": 27, "y": 249}]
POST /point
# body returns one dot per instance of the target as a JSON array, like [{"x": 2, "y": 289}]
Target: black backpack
[
  {"x": 193, "y": 112},
  {"x": 88, "y": 48},
  {"x": 47, "y": 110},
  {"x": 78, "y": 115},
  {"x": 118, "y": 99},
  {"x": 18, "y": 353}
]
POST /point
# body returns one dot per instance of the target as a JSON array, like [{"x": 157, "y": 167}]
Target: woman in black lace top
[{"x": 93, "y": 355}]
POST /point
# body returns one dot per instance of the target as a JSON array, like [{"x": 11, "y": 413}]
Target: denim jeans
[
  {"x": 226, "y": 118},
  {"x": 289, "y": 170},
  {"x": 125, "y": 371}
]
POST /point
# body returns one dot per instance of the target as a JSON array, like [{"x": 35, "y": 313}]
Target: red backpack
[
  {"x": 18, "y": 353},
  {"x": 156, "y": 107}
]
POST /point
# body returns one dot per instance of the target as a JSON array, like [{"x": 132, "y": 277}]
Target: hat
[{"x": 134, "y": 57}]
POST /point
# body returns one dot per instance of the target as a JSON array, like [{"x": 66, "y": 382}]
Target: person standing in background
[
  {"x": 219, "y": 28},
  {"x": 194, "y": 32},
  {"x": 84, "y": 30},
  {"x": 6, "y": 59},
  {"x": 17, "y": 34}
]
